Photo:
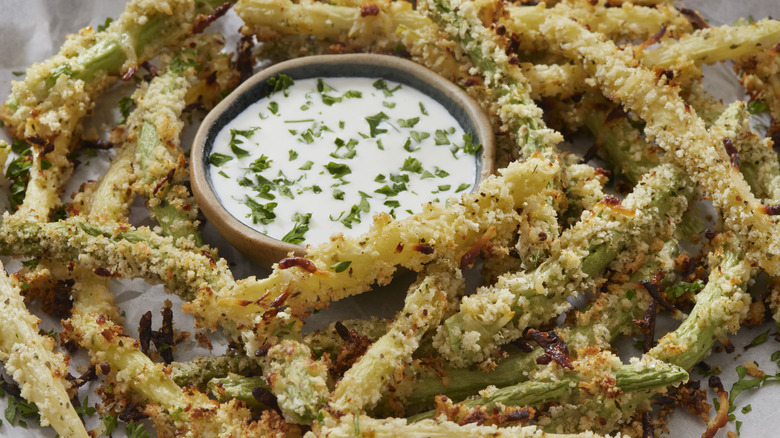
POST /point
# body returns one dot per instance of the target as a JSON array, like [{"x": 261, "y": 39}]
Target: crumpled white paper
[{"x": 32, "y": 30}]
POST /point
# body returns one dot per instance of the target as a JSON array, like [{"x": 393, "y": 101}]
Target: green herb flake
[
  {"x": 292, "y": 155},
  {"x": 109, "y": 423},
  {"x": 340, "y": 266},
  {"x": 322, "y": 87},
  {"x": 440, "y": 137},
  {"x": 746, "y": 409},
  {"x": 84, "y": 409},
  {"x": 338, "y": 194},
  {"x": 104, "y": 26},
  {"x": 440, "y": 173},
  {"x": 760, "y": 339},
  {"x": 423, "y": 110},
  {"x": 263, "y": 214},
  {"x": 300, "y": 227},
  {"x": 307, "y": 165},
  {"x": 260, "y": 164},
  {"x": 680, "y": 288},
  {"x": 380, "y": 178},
  {"x": 307, "y": 137},
  {"x": 390, "y": 105},
  {"x": 280, "y": 82},
  {"x": 413, "y": 165},
  {"x": 338, "y": 170},
  {"x": 136, "y": 430},
  {"x": 444, "y": 188},
  {"x": 419, "y": 136},
  {"x": 274, "y": 108},
  {"x": 126, "y": 106},
  {"x": 217, "y": 159},
  {"x": 408, "y": 123},
  {"x": 757, "y": 106},
  {"x": 374, "y": 121},
  {"x": 408, "y": 146},
  {"x": 386, "y": 190},
  {"x": 468, "y": 144},
  {"x": 381, "y": 85},
  {"x": 392, "y": 203},
  {"x": 462, "y": 187},
  {"x": 330, "y": 100}
]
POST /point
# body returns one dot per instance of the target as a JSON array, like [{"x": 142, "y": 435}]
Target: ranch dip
[{"x": 322, "y": 156}]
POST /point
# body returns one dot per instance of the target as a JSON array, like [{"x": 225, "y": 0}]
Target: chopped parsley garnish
[
  {"x": 382, "y": 86},
  {"x": 280, "y": 82},
  {"x": 380, "y": 178},
  {"x": 408, "y": 146},
  {"x": 389, "y": 104},
  {"x": 338, "y": 170},
  {"x": 338, "y": 194},
  {"x": 235, "y": 141},
  {"x": 126, "y": 106},
  {"x": 217, "y": 159},
  {"x": 260, "y": 164},
  {"x": 440, "y": 173},
  {"x": 104, "y": 26},
  {"x": 412, "y": 164},
  {"x": 307, "y": 136},
  {"x": 462, "y": 187},
  {"x": 330, "y": 100},
  {"x": 322, "y": 87},
  {"x": 423, "y": 110},
  {"x": 300, "y": 228},
  {"x": 292, "y": 155},
  {"x": 440, "y": 137},
  {"x": 263, "y": 214},
  {"x": 386, "y": 190},
  {"x": 444, "y": 187},
  {"x": 400, "y": 178},
  {"x": 680, "y": 288},
  {"x": 469, "y": 147},
  {"x": 354, "y": 213},
  {"x": 392, "y": 203},
  {"x": 136, "y": 430},
  {"x": 274, "y": 108},
  {"x": 408, "y": 123},
  {"x": 374, "y": 121},
  {"x": 757, "y": 107},
  {"x": 419, "y": 136},
  {"x": 109, "y": 423},
  {"x": 18, "y": 409},
  {"x": 340, "y": 266},
  {"x": 32, "y": 263},
  {"x": 307, "y": 165}
]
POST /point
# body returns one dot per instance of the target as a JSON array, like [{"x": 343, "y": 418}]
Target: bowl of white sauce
[{"x": 315, "y": 146}]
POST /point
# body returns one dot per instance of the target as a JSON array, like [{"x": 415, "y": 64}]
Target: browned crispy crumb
[
  {"x": 351, "y": 349},
  {"x": 480, "y": 415}
]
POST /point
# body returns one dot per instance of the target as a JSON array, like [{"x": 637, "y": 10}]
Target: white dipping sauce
[{"x": 324, "y": 155}]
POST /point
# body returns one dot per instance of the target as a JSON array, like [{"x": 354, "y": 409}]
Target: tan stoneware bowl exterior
[{"x": 265, "y": 250}]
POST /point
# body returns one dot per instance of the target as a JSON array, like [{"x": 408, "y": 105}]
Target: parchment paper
[{"x": 32, "y": 30}]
